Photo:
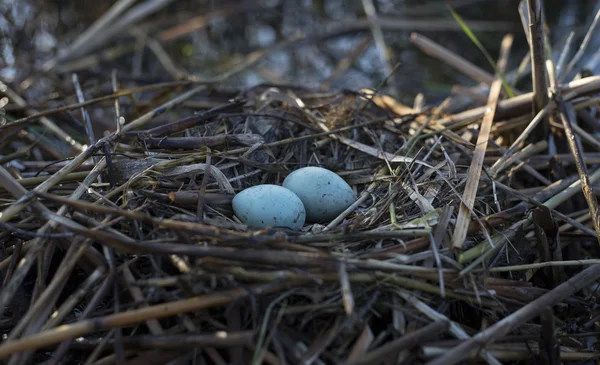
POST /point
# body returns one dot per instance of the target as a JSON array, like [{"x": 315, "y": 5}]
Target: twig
[
  {"x": 445, "y": 55},
  {"x": 575, "y": 146},
  {"x": 544, "y": 264},
  {"x": 582, "y": 47},
  {"x": 464, "y": 213},
  {"x": 407, "y": 341},
  {"x": 122, "y": 319},
  {"x": 454, "y": 327},
  {"x": 538, "y": 51},
  {"x": 529, "y": 311}
]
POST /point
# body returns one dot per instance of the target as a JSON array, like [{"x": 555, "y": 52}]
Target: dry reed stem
[
  {"x": 582, "y": 170},
  {"x": 407, "y": 341},
  {"x": 433, "y": 49},
  {"x": 537, "y": 47},
  {"x": 454, "y": 328},
  {"x": 529, "y": 311},
  {"x": 123, "y": 319},
  {"x": 162, "y": 249},
  {"x": 470, "y": 192},
  {"x": 21, "y": 122},
  {"x": 519, "y": 104},
  {"x": 59, "y": 132}
]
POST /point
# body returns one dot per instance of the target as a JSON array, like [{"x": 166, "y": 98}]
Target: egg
[
  {"x": 269, "y": 205},
  {"x": 324, "y": 193}
]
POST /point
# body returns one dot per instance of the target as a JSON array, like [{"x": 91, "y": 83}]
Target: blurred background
[{"x": 305, "y": 41}]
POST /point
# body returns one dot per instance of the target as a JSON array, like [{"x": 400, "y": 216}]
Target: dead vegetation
[{"x": 476, "y": 224}]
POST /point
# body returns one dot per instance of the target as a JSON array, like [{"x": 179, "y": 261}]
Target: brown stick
[
  {"x": 407, "y": 341},
  {"x": 464, "y": 213},
  {"x": 520, "y": 105},
  {"x": 576, "y": 150},
  {"x": 123, "y": 319},
  {"x": 198, "y": 142},
  {"x": 463, "y": 65},
  {"x": 526, "y": 313},
  {"x": 538, "y": 59}
]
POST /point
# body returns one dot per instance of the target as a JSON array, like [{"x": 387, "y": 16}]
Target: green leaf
[{"x": 474, "y": 39}]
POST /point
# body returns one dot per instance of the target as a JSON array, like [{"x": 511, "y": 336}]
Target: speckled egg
[
  {"x": 324, "y": 193},
  {"x": 269, "y": 205}
]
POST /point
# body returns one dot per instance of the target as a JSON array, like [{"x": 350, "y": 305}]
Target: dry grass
[{"x": 470, "y": 226}]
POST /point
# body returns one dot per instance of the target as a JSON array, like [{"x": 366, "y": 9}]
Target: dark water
[{"x": 34, "y": 31}]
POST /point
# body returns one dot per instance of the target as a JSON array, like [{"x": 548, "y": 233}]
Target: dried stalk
[{"x": 464, "y": 213}]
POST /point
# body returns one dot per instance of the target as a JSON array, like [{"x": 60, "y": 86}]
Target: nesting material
[{"x": 131, "y": 250}]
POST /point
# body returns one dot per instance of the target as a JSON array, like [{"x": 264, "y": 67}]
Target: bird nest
[{"x": 468, "y": 229}]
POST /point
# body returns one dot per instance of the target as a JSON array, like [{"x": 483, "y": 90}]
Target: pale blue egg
[
  {"x": 324, "y": 193},
  {"x": 269, "y": 205}
]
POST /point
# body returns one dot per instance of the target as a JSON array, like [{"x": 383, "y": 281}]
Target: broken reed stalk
[
  {"x": 520, "y": 105},
  {"x": 537, "y": 47},
  {"x": 50, "y": 125},
  {"x": 454, "y": 327},
  {"x": 511, "y": 352},
  {"x": 219, "y": 339},
  {"x": 539, "y": 117},
  {"x": 20, "y": 123},
  {"x": 552, "y": 202},
  {"x": 157, "y": 211},
  {"x": 35, "y": 248},
  {"x": 463, "y": 65},
  {"x": 584, "y": 177},
  {"x": 124, "y": 319},
  {"x": 406, "y": 342},
  {"x": 526, "y": 313},
  {"x": 470, "y": 191},
  {"x": 20, "y": 204}
]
